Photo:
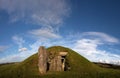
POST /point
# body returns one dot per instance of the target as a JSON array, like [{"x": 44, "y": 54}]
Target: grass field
[{"x": 80, "y": 68}]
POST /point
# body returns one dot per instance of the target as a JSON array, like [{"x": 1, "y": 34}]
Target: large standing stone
[{"x": 42, "y": 60}]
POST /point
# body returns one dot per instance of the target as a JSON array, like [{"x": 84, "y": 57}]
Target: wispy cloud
[
  {"x": 48, "y": 14},
  {"x": 88, "y": 47},
  {"x": 42, "y": 12},
  {"x": 102, "y": 36},
  {"x": 18, "y": 40},
  {"x": 44, "y": 33},
  {"x": 22, "y": 49}
]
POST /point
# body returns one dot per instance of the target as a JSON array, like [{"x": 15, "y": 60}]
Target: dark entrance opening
[{"x": 48, "y": 66}]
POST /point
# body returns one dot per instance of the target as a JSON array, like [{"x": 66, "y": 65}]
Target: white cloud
[
  {"x": 18, "y": 40},
  {"x": 22, "y": 49},
  {"x": 41, "y": 12},
  {"x": 44, "y": 33},
  {"x": 102, "y": 36},
  {"x": 88, "y": 47}
]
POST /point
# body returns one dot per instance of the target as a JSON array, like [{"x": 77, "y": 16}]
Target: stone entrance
[
  {"x": 58, "y": 62},
  {"x": 50, "y": 61}
]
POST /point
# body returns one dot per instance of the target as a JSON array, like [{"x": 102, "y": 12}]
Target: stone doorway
[{"x": 50, "y": 61}]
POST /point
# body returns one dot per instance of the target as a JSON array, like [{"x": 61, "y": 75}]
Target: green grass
[{"x": 80, "y": 68}]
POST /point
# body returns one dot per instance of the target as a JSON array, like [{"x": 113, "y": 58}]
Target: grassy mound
[{"x": 80, "y": 68}]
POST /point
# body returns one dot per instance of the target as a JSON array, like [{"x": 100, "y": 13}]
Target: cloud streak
[
  {"x": 18, "y": 40},
  {"x": 22, "y": 49},
  {"x": 42, "y": 12},
  {"x": 102, "y": 36},
  {"x": 44, "y": 33}
]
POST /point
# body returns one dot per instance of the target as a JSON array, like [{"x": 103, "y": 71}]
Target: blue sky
[{"x": 90, "y": 27}]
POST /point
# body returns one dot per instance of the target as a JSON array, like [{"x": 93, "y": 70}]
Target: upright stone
[
  {"x": 56, "y": 64},
  {"x": 59, "y": 64},
  {"x": 42, "y": 60}
]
